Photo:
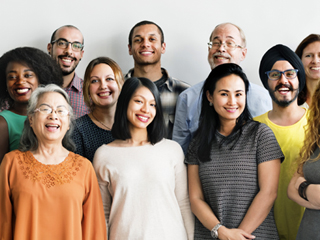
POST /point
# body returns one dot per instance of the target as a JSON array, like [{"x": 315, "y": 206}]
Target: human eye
[
  {"x": 11, "y": 77},
  {"x": 290, "y": 73},
  {"x": 224, "y": 94},
  {"x": 230, "y": 44},
  {"x": 307, "y": 56},
  {"x": 62, "y": 111},
  {"x": 94, "y": 80},
  {"x": 62, "y": 43},
  {"x": 29, "y": 75},
  {"x": 45, "y": 109},
  {"x": 153, "y": 104},
  {"x": 274, "y": 74},
  {"x": 216, "y": 44},
  {"x": 137, "y": 40},
  {"x": 238, "y": 94},
  {"x": 110, "y": 79},
  {"x": 77, "y": 45}
]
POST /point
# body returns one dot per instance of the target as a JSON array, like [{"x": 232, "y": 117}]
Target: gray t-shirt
[
  {"x": 309, "y": 226},
  {"x": 230, "y": 180}
]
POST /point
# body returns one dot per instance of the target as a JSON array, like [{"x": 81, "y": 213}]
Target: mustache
[
  {"x": 223, "y": 54},
  {"x": 68, "y": 56}
]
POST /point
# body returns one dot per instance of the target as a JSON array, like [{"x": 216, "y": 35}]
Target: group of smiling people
[{"x": 136, "y": 184}]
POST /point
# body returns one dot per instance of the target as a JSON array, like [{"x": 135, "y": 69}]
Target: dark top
[
  {"x": 230, "y": 180},
  {"x": 88, "y": 137},
  {"x": 309, "y": 226}
]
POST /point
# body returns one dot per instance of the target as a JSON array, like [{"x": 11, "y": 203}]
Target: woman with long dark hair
[
  {"x": 233, "y": 163},
  {"x": 142, "y": 177}
]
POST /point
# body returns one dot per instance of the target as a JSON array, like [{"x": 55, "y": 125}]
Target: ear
[
  {"x": 209, "y": 96},
  {"x": 129, "y": 48},
  {"x": 49, "y": 49},
  {"x": 163, "y": 48},
  {"x": 81, "y": 54},
  {"x": 30, "y": 120},
  {"x": 243, "y": 54}
]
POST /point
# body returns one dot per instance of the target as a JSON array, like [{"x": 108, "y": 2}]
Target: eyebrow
[
  {"x": 226, "y": 90},
  {"x": 45, "y": 104},
  {"x": 109, "y": 75},
  {"x": 25, "y": 70},
  {"x": 151, "y": 34},
  {"x": 218, "y": 37}
]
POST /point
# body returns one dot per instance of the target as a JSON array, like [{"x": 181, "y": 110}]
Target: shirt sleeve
[
  {"x": 93, "y": 222},
  {"x": 6, "y": 207},
  {"x": 267, "y": 146},
  {"x": 181, "y": 132},
  {"x": 192, "y": 156},
  {"x": 78, "y": 141},
  {"x": 181, "y": 192},
  {"x": 104, "y": 183}
]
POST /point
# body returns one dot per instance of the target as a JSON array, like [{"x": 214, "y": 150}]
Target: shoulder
[
  {"x": 83, "y": 120},
  {"x": 192, "y": 92},
  {"x": 261, "y": 118},
  {"x": 79, "y": 160},
  {"x": 12, "y": 157},
  {"x": 169, "y": 144}
]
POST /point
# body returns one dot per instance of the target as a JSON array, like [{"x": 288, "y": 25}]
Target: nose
[
  {"x": 53, "y": 115},
  {"x": 145, "y": 108},
  {"x": 103, "y": 84},
  {"x": 316, "y": 59},
  {"x": 21, "y": 79},
  {"x": 231, "y": 99},
  {"x": 283, "y": 79},
  {"x": 222, "y": 47},
  {"x": 145, "y": 43},
  {"x": 68, "y": 49}
]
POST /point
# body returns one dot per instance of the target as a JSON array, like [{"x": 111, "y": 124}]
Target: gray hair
[
  {"x": 28, "y": 140},
  {"x": 242, "y": 36}
]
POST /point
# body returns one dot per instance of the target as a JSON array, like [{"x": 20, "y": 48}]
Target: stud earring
[{"x": 210, "y": 104}]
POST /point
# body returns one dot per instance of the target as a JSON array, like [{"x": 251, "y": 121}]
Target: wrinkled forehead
[{"x": 226, "y": 32}]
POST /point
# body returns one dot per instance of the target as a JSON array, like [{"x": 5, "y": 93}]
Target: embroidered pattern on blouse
[{"x": 50, "y": 175}]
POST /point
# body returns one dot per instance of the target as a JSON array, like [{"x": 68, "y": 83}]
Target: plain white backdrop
[{"x": 186, "y": 24}]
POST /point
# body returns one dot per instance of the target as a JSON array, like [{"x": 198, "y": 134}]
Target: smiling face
[
  {"x": 103, "y": 88},
  {"x": 311, "y": 61},
  {"x": 50, "y": 128},
  {"x": 225, "y": 33},
  {"x": 21, "y": 82},
  {"x": 67, "y": 58},
  {"x": 283, "y": 91},
  {"x": 141, "y": 109},
  {"x": 146, "y": 45},
  {"x": 228, "y": 98}
]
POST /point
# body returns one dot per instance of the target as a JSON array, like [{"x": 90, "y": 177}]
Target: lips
[
  {"x": 146, "y": 53},
  {"x": 104, "y": 94},
  {"x": 67, "y": 60},
  {"x": 231, "y": 110},
  {"x": 142, "y": 118},
  {"x": 22, "y": 91}
]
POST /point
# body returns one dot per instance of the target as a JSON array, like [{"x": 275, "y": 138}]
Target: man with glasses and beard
[
  {"x": 66, "y": 47},
  {"x": 282, "y": 74},
  {"x": 227, "y": 45}
]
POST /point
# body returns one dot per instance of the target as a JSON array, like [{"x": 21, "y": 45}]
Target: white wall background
[{"x": 187, "y": 25}]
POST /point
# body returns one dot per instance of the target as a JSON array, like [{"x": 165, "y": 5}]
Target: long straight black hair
[{"x": 209, "y": 121}]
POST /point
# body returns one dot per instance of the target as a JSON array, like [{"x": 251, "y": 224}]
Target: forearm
[
  {"x": 258, "y": 211},
  {"x": 293, "y": 193},
  {"x": 313, "y": 196}
]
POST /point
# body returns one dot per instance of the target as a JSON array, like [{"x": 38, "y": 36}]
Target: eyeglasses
[
  {"x": 60, "y": 111},
  {"x": 276, "y": 74},
  {"x": 62, "y": 43},
  {"x": 229, "y": 45}
]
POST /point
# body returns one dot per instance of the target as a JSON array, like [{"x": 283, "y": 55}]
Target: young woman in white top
[{"x": 142, "y": 177}]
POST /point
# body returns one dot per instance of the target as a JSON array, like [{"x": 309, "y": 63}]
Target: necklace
[{"x": 101, "y": 122}]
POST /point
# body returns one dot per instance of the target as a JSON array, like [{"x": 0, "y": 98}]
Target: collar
[{"x": 76, "y": 83}]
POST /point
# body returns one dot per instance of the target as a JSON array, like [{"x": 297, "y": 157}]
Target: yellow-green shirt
[{"x": 287, "y": 213}]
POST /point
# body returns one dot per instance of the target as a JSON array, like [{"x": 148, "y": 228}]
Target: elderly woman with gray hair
[{"x": 47, "y": 191}]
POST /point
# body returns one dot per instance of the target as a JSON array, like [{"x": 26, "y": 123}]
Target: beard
[
  {"x": 283, "y": 102},
  {"x": 67, "y": 70}
]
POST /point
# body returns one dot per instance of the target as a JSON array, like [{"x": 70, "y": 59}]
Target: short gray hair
[{"x": 28, "y": 140}]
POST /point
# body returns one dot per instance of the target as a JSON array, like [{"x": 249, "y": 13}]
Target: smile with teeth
[
  {"x": 52, "y": 126},
  {"x": 104, "y": 94},
  {"x": 22, "y": 90},
  {"x": 142, "y": 118},
  {"x": 231, "y": 110},
  {"x": 315, "y": 68}
]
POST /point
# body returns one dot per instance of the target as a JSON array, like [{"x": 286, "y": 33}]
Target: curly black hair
[{"x": 44, "y": 67}]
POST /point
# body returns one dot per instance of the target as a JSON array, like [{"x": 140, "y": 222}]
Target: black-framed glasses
[
  {"x": 227, "y": 45},
  {"x": 276, "y": 74},
  {"x": 63, "y": 43},
  {"x": 45, "y": 109}
]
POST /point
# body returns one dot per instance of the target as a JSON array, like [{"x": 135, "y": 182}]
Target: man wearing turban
[{"x": 282, "y": 74}]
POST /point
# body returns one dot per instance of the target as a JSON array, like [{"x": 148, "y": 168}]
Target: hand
[
  {"x": 298, "y": 182},
  {"x": 233, "y": 234}
]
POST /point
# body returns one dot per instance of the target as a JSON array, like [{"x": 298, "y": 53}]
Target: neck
[
  {"x": 226, "y": 127},
  {"x": 139, "y": 137},
  {"x": 286, "y": 116},
  {"x": 19, "y": 108},
  {"x": 311, "y": 85},
  {"x": 151, "y": 71},
  {"x": 67, "y": 79},
  {"x": 103, "y": 115},
  {"x": 50, "y": 153}
]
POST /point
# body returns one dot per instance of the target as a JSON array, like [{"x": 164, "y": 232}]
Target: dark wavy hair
[
  {"x": 120, "y": 128},
  {"x": 145, "y": 22},
  {"x": 44, "y": 67},
  {"x": 302, "y": 97},
  {"x": 209, "y": 121}
]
